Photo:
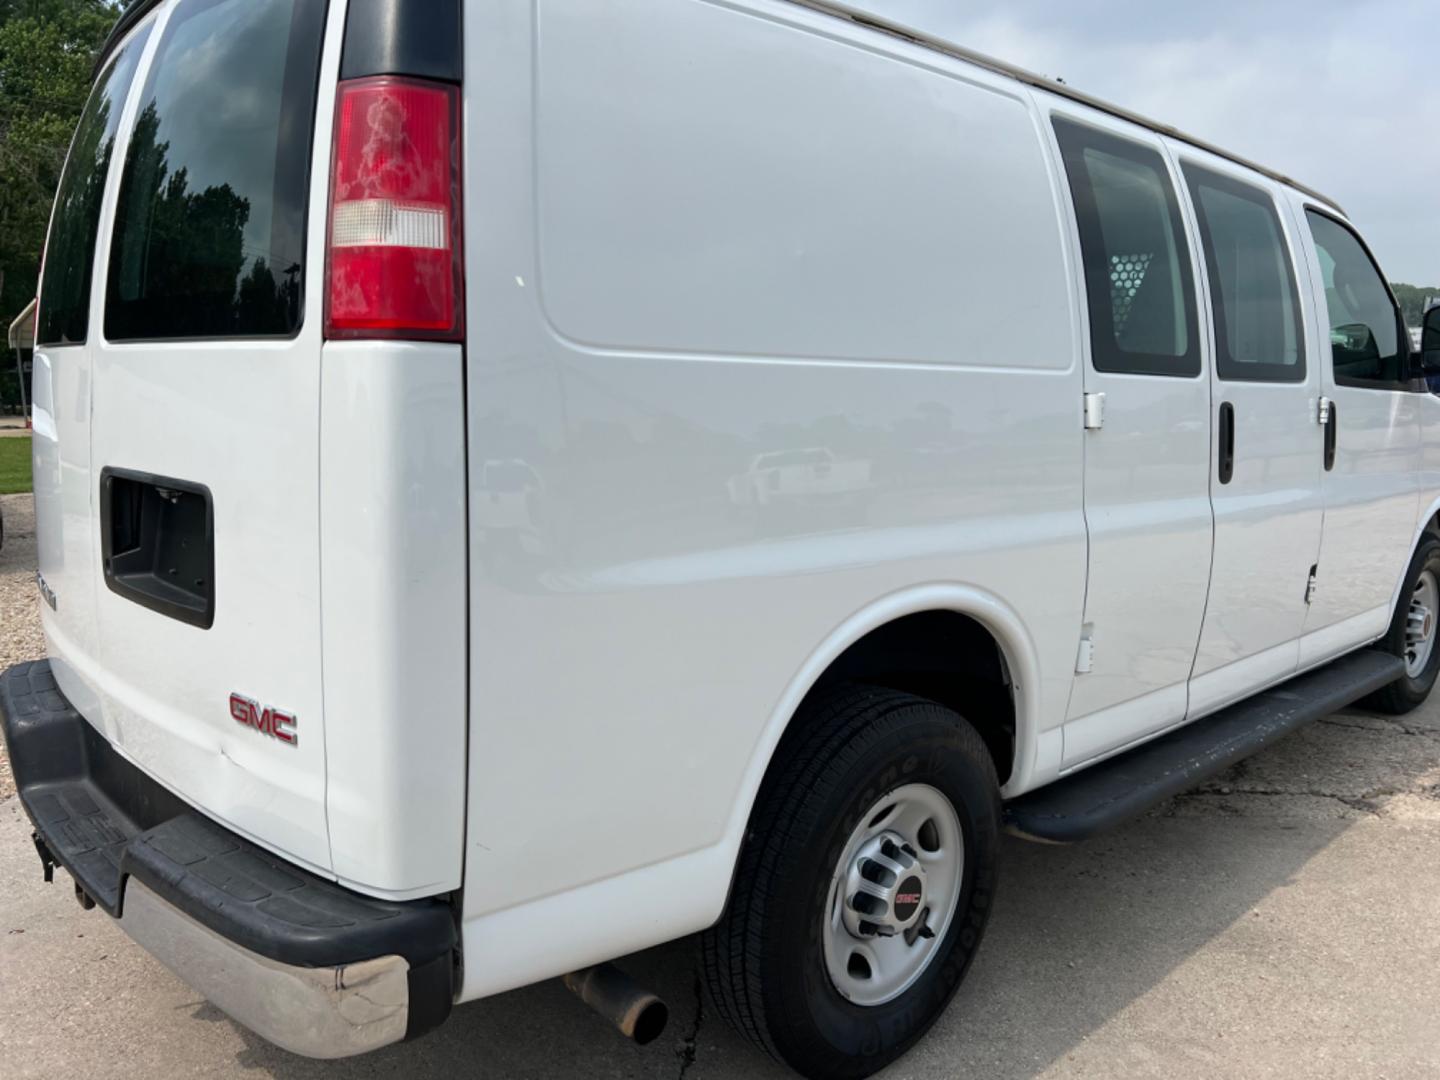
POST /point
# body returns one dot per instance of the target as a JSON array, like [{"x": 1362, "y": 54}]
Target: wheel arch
[
  {"x": 1005, "y": 629},
  {"x": 1428, "y": 522}
]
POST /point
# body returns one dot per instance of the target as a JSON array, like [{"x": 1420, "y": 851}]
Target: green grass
[{"x": 14, "y": 465}]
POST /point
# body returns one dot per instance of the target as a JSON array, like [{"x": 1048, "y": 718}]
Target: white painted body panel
[
  {"x": 392, "y": 573},
  {"x": 545, "y": 604},
  {"x": 660, "y": 212},
  {"x": 1428, "y": 408},
  {"x": 67, "y": 536},
  {"x": 720, "y": 268}
]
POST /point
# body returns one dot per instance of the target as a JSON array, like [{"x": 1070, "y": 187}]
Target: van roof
[
  {"x": 849, "y": 12},
  {"x": 1030, "y": 78}
]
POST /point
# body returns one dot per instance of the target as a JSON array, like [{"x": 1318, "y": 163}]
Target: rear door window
[
  {"x": 1137, "y": 263},
  {"x": 1252, "y": 283},
  {"x": 210, "y": 226},
  {"x": 64, "y": 317}
]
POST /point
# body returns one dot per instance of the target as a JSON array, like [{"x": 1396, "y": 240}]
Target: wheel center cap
[
  {"x": 884, "y": 892},
  {"x": 908, "y": 898}
]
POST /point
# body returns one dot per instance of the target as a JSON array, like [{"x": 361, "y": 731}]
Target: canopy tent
[{"x": 22, "y": 340}]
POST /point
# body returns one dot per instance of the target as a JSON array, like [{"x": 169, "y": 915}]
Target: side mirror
[
  {"x": 1430, "y": 342},
  {"x": 1357, "y": 341}
]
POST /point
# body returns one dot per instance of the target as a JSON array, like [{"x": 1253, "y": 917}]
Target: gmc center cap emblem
[{"x": 907, "y": 899}]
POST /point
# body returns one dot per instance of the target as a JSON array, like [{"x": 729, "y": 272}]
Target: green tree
[
  {"x": 193, "y": 241},
  {"x": 47, "y": 57},
  {"x": 1412, "y": 300}
]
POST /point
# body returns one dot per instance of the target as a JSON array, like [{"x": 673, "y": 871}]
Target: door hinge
[
  {"x": 1094, "y": 412},
  {"x": 1322, "y": 411},
  {"x": 1085, "y": 658},
  {"x": 1310, "y": 585}
]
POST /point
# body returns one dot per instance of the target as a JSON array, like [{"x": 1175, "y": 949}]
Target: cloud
[{"x": 1334, "y": 93}]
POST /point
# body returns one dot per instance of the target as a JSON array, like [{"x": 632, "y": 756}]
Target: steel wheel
[
  {"x": 1420, "y": 623},
  {"x": 893, "y": 894},
  {"x": 835, "y": 872}
]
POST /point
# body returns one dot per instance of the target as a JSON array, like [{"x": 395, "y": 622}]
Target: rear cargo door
[{"x": 204, "y": 439}]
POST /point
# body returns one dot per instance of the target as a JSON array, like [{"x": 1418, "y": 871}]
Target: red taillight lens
[{"x": 394, "y": 262}]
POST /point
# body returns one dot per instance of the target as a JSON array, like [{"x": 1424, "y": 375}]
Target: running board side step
[{"x": 1122, "y": 788}]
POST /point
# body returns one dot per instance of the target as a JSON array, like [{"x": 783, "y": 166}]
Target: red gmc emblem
[
  {"x": 907, "y": 898},
  {"x": 267, "y": 721}
]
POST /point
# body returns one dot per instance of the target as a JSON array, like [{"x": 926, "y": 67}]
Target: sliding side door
[
  {"x": 1265, "y": 487},
  {"x": 1147, "y": 443}
]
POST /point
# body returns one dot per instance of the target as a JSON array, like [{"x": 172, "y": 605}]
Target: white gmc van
[{"x": 523, "y": 481}]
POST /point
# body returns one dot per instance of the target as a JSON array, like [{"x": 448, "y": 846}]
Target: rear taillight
[{"x": 394, "y": 265}]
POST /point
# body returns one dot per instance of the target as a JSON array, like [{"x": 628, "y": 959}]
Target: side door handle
[
  {"x": 1330, "y": 417},
  {"x": 1227, "y": 441}
]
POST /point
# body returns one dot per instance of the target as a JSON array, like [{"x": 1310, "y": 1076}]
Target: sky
[{"x": 1342, "y": 95}]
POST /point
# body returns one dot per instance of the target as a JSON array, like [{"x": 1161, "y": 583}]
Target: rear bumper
[
  {"x": 304, "y": 963},
  {"x": 318, "y": 1012}
]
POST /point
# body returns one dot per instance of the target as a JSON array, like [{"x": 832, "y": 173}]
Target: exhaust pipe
[{"x": 638, "y": 1013}]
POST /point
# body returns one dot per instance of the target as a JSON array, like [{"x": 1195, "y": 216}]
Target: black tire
[
  {"x": 1407, "y": 693},
  {"x": 764, "y": 959}
]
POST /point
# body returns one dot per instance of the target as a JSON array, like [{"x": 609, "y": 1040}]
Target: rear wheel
[
  {"x": 864, "y": 885},
  {"x": 1413, "y": 632}
]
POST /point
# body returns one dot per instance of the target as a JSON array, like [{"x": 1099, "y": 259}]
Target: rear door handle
[
  {"x": 1227, "y": 441},
  {"x": 1332, "y": 422}
]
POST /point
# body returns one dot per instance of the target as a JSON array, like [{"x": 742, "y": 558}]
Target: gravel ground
[{"x": 20, "y": 637}]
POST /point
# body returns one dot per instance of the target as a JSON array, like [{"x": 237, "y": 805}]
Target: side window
[
  {"x": 1364, "y": 322},
  {"x": 1252, "y": 282},
  {"x": 70, "y": 252},
  {"x": 1137, "y": 264}
]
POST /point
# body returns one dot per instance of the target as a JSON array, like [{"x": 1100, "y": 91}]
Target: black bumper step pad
[
  {"x": 103, "y": 819},
  {"x": 86, "y": 802},
  {"x": 274, "y": 908},
  {"x": 1124, "y": 787},
  {"x": 82, "y": 830}
]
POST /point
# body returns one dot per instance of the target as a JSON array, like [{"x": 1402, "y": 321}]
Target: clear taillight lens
[{"x": 394, "y": 265}]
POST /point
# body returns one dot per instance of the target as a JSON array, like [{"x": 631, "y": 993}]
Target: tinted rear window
[
  {"x": 210, "y": 227},
  {"x": 70, "y": 253}
]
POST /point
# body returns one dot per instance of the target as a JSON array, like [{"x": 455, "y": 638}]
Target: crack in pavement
[
  {"x": 687, "y": 1048},
  {"x": 1392, "y": 724},
  {"x": 1364, "y": 802}
]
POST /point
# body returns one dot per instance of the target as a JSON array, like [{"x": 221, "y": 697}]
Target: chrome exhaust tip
[{"x": 635, "y": 1011}]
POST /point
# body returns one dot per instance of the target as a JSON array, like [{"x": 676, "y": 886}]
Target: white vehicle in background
[
  {"x": 1142, "y": 468},
  {"x": 509, "y": 496},
  {"x": 809, "y": 476}
]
